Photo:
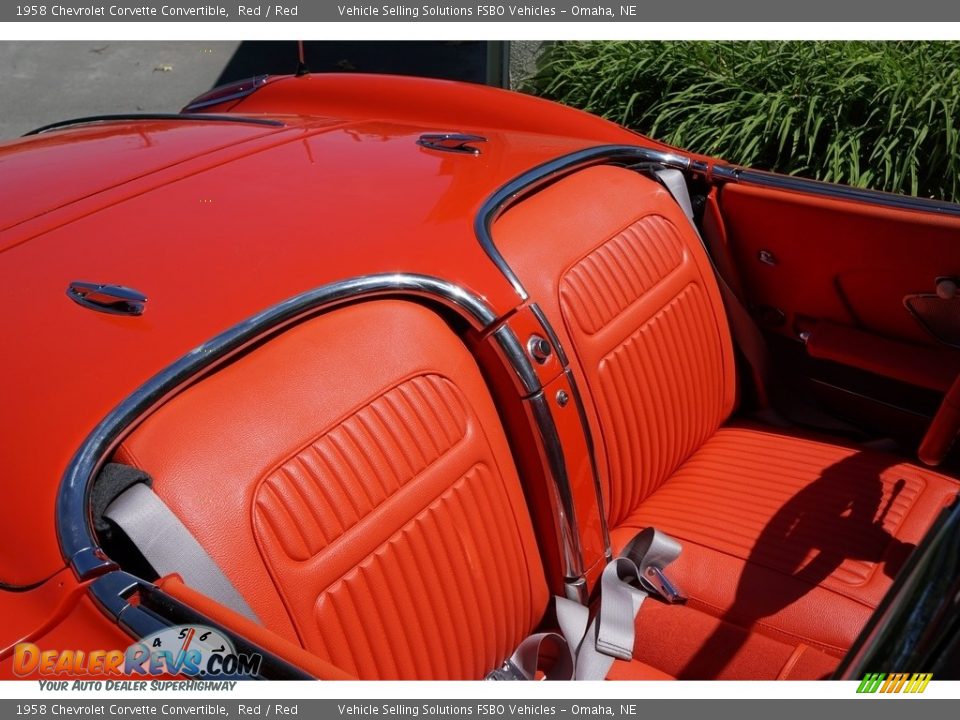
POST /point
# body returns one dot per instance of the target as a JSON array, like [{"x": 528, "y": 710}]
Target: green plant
[{"x": 869, "y": 114}]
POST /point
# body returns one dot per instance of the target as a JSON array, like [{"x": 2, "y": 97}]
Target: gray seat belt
[
  {"x": 745, "y": 332},
  {"x": 170, "y": 547},
  {"x": 749, "y": 338},
  {"x": 586, "y": 650},
  {"x": 626, "y": 582}
]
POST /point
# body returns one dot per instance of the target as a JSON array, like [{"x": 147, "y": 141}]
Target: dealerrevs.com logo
[
  {"x": 194, "y": 651},
  {"x": 895, "y": 682}
]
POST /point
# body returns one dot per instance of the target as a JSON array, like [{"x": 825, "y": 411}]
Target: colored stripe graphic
[{"x": 894, "y": 682}]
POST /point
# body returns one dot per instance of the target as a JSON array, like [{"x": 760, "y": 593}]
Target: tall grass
[{"x": 870, "y": 114}]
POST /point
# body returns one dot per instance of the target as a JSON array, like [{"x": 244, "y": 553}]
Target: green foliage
[{"x": 870, "y": 114}]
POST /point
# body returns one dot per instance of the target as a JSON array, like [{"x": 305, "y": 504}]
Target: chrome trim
[
  {"x": 74, "y": 530},
  {"x": 492, "y": 208},
  {"x": 243, "y": 90},
  {"x": 112, "y": 299},
  {"x": 576, "y": 590},
  {"x": 451, "y": 142},
  {"x": 539, "y": 349},
  {"x": 209, "y": 117},
  {"x": 550, "y": 448},
  {"x": 519, "y": 360},
  {"x": 565, "y": 511},
  {"x": 584, "y": 424},
  {"x": 551, "y": 335},
  {"x": 725, "y": 173},
  {"x": 112, "y": 593},
  {"x": 868, "y": 399},
  {"x": 535, "y": 178},
  {"x": 840, "y": 192},
  {"x": 592, "y": 451}
]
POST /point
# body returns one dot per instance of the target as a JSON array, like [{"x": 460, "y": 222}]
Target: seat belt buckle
[
  {"x": 507, "y": 671},
  {"x": 656, "y": 579}
]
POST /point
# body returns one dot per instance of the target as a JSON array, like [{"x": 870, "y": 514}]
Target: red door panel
[
  {"x": 837, "y": 268},
  {"x": 851, "y": 263}
]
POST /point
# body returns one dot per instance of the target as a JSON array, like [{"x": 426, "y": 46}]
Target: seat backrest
[
  {"x": 351, "y": 478},
  {"x": 612, "y": 260}
]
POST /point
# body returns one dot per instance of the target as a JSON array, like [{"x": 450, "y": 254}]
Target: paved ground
[{"x": 43, "y": 82}]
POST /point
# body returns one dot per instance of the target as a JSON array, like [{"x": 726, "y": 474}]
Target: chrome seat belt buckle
[
  {"x": 657, "y": 580},
  {"x": 507, "y": 671}
]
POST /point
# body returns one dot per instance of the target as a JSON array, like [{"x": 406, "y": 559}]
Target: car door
[{"x": 856, "y": 290}]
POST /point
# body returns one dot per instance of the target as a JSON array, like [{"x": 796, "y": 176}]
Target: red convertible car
[{"x": 345, "y": 376}]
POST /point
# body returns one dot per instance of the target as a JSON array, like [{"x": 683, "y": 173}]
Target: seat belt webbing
[
  {"x": 745, "y": 332},
  {"x": 585, "y": 650},
  {"x": 170, "y": 547},
  {"x": 626, "y": 582}
]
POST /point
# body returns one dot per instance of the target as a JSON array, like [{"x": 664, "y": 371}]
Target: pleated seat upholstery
[
  {"x": 365, "y": 503},
  {"x": 791, "y": 536}
]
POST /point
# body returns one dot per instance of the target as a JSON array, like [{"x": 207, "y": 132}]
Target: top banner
[{"x": 343, "y": 11}]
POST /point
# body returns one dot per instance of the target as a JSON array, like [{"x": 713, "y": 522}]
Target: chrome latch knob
[{"x": 539, "y": 349}]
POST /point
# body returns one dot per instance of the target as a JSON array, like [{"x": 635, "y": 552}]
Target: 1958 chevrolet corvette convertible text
[{"x": 344, "y": 377}]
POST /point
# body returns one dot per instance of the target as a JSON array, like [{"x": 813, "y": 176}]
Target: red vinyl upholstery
[
  {"x": 787, "y": 537},
  {"x": 606, "y": 254},
  {"x": 796, "y": 535},
  {"x": 352, "y": 479}
]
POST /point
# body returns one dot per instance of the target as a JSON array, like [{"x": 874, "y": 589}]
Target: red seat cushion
[
  {"x": 690, "y": 644},
  {"x": 796, "y": 535}
]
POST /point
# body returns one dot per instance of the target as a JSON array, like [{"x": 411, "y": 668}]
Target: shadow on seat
[{"x": 837, "y": 519}]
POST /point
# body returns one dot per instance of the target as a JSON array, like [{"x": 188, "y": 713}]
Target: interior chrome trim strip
[
  {"x": 584, "y": 423},
  {"x": 517, "y": 357},
  {"x": 551, "y": 450},
  {"x": 591, "y": 449},
  {"x": 496, "y": 205},
  {"x": 551, "y": 335},
  {"x": 871, "y": 400},
  {"x": 565, "y": 510},
  {"x": 77, "y": 542}
]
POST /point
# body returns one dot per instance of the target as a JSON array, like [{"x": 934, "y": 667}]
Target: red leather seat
[
  {"x": 793, "y": 537},
  {"x": 351, "y": 478}
]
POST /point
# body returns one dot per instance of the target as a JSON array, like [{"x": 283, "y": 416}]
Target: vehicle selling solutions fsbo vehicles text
[
  {"x": 388, "y": 11},
  {"x": 481, "y": 11}
]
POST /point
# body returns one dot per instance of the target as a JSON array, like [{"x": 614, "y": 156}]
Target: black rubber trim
[
  {"x": 268, "y": 122},
  {"x": 840, "y": 192}
]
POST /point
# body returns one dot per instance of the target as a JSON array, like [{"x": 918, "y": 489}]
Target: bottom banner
[{"x": 488, "y": 708}]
